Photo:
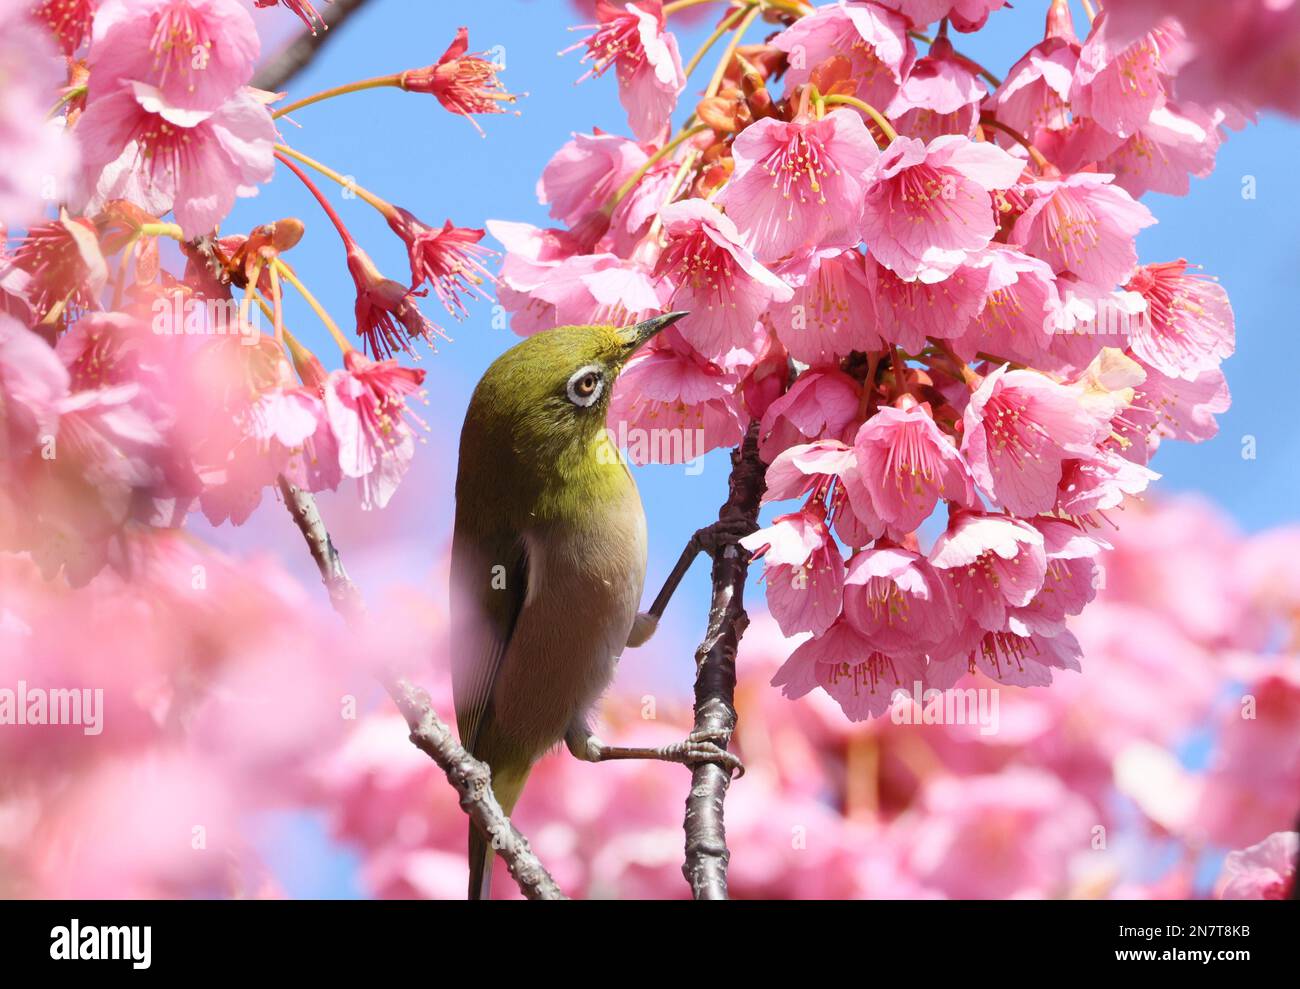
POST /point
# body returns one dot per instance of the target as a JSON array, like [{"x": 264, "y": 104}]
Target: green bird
[{"x": 548, "y": 561}]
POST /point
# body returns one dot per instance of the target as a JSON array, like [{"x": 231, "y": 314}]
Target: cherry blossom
[
  {"x": 709, "y": 273},
  {"x": 803, "y": 570},
  {"x": 195, "y": 53},
  {"x": 799, "y": 184},
  {"x": 928, "y": 207},
  {"x": 906, "y": 465},
  {"x": 366, "y": 406},
  {"x": 630, "y": 37},
  {"x": 873, "y": 39}
]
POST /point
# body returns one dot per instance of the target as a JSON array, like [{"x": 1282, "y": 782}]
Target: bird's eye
[{"x": 586, "y": 385}]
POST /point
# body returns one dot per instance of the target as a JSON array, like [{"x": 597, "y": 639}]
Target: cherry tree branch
[
  {"x": 300, "y": 52},
  {"x": 429, "y": 733},
  {"x": 707, "y": 854}
]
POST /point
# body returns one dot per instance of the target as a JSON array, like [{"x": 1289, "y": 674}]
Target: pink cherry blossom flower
[
  {"x": 861, "y": 679},
  {"x": 929, "y": 207},
  {"x": 1074, "y": 147},
  {"x": 1018, "y": 660},
  {"x": 905, "y": 465},
  {"x": 821, "y": 404},
  {"x": 63, "y": 262},
  {"x": 530, "y": 252},
  {"x": 1189, "y": 327},
  {"x": 1070, "y": 583},
  {"x": 803, "y": 570},
  {"x": 38, "y": 155},
  {"x": 387, "y": 316},
  {"x": 897, "y": 601},
  {"x": 585, "y": 288},
  {"x": 366, "y": 406},
  {"x": 1090, "y": 321},
  {"x": 633, "y": 215},
  {"x": 798, "y": 470},
  {"x": 1021, "y": 310},
  {"x": 670, "y": 405},
  {"x": 293, "y": 428},
  {"x": 1264, "y": 871},
  {"x": 1100, "y": 482},
  {"x": 631, "y": 38},
  {"x": 941, "y": 95},
  {"x": 461, "y": 81},
  {"x": 832, "y": 311},
  {"x": 1119, "y": 88},
  {"x": 909, "y": 311},
  {"x": 585, "y": 173},
  {"x": 1174, "y": 408},
  {"x": 271, "y": 429},
  {"x": 1020, "y": 426},
  {"x": 711, "y": 275},
  {"x": 1082, "y": 224},
  {"x": 873, "y": 39},
  {"x": 197, "y": 54},
  {"x": 995, "y": 563},
  {"x": 798, "y": 184},
  {"x": 450, "y": 259},
  {"x": 1174, "y": 143},
  {"x": 1036, "y": 92},
  {"x": 195, "y": 163}
]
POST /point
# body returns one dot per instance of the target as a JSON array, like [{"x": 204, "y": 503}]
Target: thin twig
[
  {"x": 300, "y": 52},
  {"x": 707, "y": 855},
  {"x": 471, "y": 778}
]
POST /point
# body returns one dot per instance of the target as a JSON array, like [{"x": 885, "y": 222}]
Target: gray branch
[
  {"x": 707, "y": 855},
  {"x": 429, "y": 733}
]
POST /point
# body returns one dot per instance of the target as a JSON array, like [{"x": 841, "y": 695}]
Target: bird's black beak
[{"x": 638, "y": 333}]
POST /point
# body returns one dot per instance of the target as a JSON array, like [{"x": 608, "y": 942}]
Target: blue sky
[{"x": 408, "y": 150}]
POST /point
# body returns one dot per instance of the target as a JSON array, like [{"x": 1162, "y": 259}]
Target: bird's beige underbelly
[{"x": 584, "y": 590}]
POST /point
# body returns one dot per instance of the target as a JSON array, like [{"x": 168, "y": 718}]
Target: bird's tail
[{"x": 507, "y": 786}]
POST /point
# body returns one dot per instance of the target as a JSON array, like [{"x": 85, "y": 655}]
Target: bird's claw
[
  {"x": 704, "y": 746},
  {"x": 713, "y": 538}
]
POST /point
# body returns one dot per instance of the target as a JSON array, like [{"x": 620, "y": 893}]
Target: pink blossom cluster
[
  {"x": 923, "y": 283},
  {"x": 206, "y": 687},
  {"x": 138, "y": 381},
  {"x": 1071, "y": 792}
]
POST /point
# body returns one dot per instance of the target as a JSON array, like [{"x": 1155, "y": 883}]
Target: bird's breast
[{"x": 585, "y": 579}]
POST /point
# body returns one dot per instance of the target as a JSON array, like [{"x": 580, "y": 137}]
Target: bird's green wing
[{"x": 489, "y": 583}]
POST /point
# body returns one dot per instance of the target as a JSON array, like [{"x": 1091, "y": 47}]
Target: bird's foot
[
  {"x": 706, "y": 746},
  {"x": 698, "y": 747},
  {"x": 714, "y": 538}
]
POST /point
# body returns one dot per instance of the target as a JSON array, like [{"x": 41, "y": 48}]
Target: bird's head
[{"x": 548, "y": 395}]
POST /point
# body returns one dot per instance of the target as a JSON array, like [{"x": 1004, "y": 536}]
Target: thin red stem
[{"x": 348, "y": 240}]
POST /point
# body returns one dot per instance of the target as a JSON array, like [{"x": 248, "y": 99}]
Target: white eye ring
[{"x": 576, "y": 397}]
